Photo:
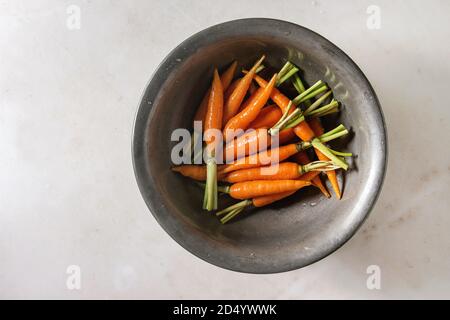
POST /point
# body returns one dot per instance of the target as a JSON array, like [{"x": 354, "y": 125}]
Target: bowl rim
[{"x": 140, "y": 124}]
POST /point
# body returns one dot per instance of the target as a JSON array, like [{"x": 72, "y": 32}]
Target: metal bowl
[{"x": 287, "y": 235}]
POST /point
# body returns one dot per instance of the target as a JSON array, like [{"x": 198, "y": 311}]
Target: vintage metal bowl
[{"x": 284, "y": 236}]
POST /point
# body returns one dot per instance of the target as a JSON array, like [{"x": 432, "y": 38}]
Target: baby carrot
[
  {"x": 234, "y": 101},
  {"x": 250, "y": 112},
  {"x": 267, "y": 117},
  {"x": 226, "y": 79},
  {"x": 227, "y": 93},
  {"x": 251, "y": 189},
  {"x": 196, "y": 172},
  {"x": 318, "y": 130},
  {"x": 267, "y": 157},
  {"x": 286, "y": 136},
  {"x": 213, "y": 121},
  {"x": 280, "y": 99},
  {"x": 271, "y": 198},
  {"x": 250, "y": 142},
  {"x": 252, "y": 89},
  {"x": 282, "y": 171}
]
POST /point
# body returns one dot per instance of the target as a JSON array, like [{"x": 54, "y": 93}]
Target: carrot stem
[
  {"x": 298, "y": 116},
  {"x": 324, "y": 110},
  {"x": 294, "y": 122},
  {"x": 210, "y": 197},
  {"x": 286, "y": 77},
  {"x": 284, "y": 69},
  {"x": 231, "y": 215},
  {"x": 317, "y": 102},
  {"x": 260, "y": 68},
  {"x": 314, "y": 93},
  {"x": 233, "y": 207},
  {"x": 341, "y": 154},
  {"x": 318, "y": 166},
  {"x": 333, "y": 131},
  {"x": 317, "y": 144},
  {"x": 298, "y": 84},
  {"x": 334, "y": 136},
  {"x": 302, "y": 96}
]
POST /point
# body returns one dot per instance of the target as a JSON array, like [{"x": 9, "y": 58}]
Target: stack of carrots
[{"x": 261, "y": 154}]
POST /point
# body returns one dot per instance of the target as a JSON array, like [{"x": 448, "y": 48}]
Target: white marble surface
[{"x": 67, "y": 190}]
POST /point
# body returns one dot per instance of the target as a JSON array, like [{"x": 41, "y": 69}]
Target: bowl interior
[{"x": 293, "y": 232}]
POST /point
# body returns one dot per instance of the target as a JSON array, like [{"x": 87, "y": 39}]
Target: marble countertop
[{"x": 69, "y": 91}]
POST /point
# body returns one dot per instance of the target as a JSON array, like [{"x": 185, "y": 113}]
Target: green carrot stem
[
  {"x": 317, "y": 144},
  {"x": 298, "y": 85},
  {"x": 335, "y": 110},
  {"x": 334, "y": 136},
  {"x": 284, "y": 124},
  {"x": 285, "y": 69},
  {"x": 222, "y": 189},
  {"x": 295, "y": 122},
  {"x": 303, "y": 145},
  {"x": 286, "y": 113},
  {"x": 286, "y": 77},
  {"x": 210, "y": 195},
  {"x": 276, "y": 128},
  {"x": 294, "y": 115},
  {"x": 333, "y": 105},
  {"x": 260, "y": 68},
  {"x": 332, "y": 131},
  {"x": 235, "y": 206},
  {"x": 297, "y": 100},
  {"x": 317, "y": 166},
  {"x": 317, "y": 103},
  {"x": 341, "y": 154},
  {"x": 314, "y": 93},
  {"x": 231, "y": 215}
]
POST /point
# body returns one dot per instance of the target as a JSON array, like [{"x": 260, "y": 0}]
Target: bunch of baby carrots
[{"x": 260, "y": 155}]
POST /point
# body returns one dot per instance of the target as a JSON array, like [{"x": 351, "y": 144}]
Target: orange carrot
[
  {"x": 251, "y": 142},
  {"x": 266, "y": 157},
  {"x": 196, "y": 172},
  {"x": 302, "y": 158},
  {"x": 213, "y": 117},
  {"x": 254, "y": 141},
  {"x": 267, "y": 117},
  {"x": 252, "y": 89},
  {"x": 227, "y": 93},
  {"x": 251, "y": 189},
  {"x": 286, "y": 136},
  {"x": 213, "y": 120},
  {"x": 234, "y": 101},
  {"x": 280, "y": 99},
  {"x": 225, "y": 78},
  {"x": 246, "y": 116},
  {"x": 318, "y": 130},
  {"x": 304, "y": 131},
  {"x": 271, "y": 198},
  {"x": 282, "y": 171}
]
